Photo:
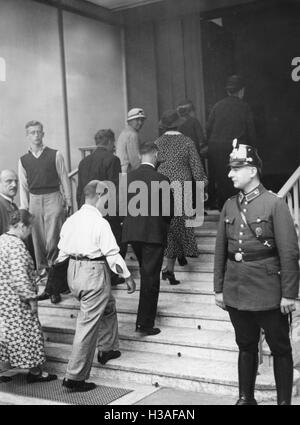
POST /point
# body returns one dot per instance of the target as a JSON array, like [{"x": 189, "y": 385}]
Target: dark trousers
[
  {"x": 247, "y": 325},
  {"x": 150, "y": 258}
]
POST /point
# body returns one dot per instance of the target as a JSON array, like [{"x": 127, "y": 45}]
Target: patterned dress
[
  {"x": 181, "y": 163},
  {"x": 21, "y": 338}
]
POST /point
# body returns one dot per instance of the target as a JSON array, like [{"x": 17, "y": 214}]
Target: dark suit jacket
[
  {"x": 6, "y": 207},
  {"x": 100, "y": 165},
  {"x": 148, "y": 228}
]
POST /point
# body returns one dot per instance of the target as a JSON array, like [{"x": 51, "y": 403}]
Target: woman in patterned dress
[
  {"x": 180, "y": 163},
  {"x": 21, "y": 338}
]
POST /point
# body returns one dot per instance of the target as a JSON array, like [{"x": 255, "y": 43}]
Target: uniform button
[
  {"x": 242, "y": 225},
  {"x": 240, "y": 249},
  {"x": 246, "y": 203},
  {"x": 240, "y": 241},
  {"x": 241, "y": 233},
  {"x": 244, "y": 210}
]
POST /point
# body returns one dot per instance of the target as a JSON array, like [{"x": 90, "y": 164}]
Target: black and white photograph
[{"x": 149, "y": 205}]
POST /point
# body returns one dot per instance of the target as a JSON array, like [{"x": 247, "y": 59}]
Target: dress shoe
[
  {"x": 78, "y": 386},
  {"x": 182, "y": 261},
  {"x": 116, "y": 280},
  {"x": 166, "y": 274},
  {"x": 55, "y": 298},
  {"x": 4, "y": 379},
  {"x": 105, "y": 356},
  {"x": 246, "y": 402},
  {"x": 147, "y": 331},
  {"x": 43, "y": 296},
  {"x": 42, "y": 377}
]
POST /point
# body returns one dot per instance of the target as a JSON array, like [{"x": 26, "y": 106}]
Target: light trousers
[
  {"x": 97, "y": 325},
  {"x": 48, "y": 211}
]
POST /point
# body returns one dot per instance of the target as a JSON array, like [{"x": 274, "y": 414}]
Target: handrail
[
  {"x": 73, "y": 173},
  {"x": 290, "y": 183},
  {"x": 290, "y": 192}
]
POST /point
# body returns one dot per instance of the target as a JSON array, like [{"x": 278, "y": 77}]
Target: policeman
[{"x": 256, "y": 273}]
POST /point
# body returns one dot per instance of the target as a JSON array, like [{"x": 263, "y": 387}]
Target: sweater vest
[{"x": 42, "y": 177}]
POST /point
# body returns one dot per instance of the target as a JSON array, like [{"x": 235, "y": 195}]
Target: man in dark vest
[
  {"x": 41, "y": 173},
  {"x": 256, "y": 273}
]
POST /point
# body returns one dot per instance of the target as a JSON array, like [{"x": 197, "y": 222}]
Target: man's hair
[
  {"x": 185, "y": 107},
  {"x": 103, "y": 137},
  {"x": 34, "y": 123},
  {"x": 7, "y": 170},
  {"x": 148, "y": 147},
  {"x": 93, "y": 187},
  {"x": 20, "y": 216}
]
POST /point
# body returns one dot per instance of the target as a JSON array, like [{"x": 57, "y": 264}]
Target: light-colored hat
[{"x": 135, "y": 113}]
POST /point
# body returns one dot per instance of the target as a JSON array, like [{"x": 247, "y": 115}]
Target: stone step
[
  {"x": 169, "y": 298},
  {"x": 194, "y": 265},
  {"x": 203, "y": 248},
  {"x": 206, "y": 344},
  {"x": 205, "y": 255},
  {"x": 180, "y": 273},
  {"x": 187, "y": 373},
  {"x": 204, "y": 285},
  {"x": 186, "y": 286},
  {"x": 208, "y": 225},
  {"x": 169, "y": 313},
  {"x": 200, "y": 231},
  {"x": 209, "y": 241},
  {"x": 212, "y": 216}
]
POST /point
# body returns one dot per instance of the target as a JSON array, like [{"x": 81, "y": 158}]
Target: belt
[
  {"x": 252, "y": 256},
  {"x": 84, "y": 258}
]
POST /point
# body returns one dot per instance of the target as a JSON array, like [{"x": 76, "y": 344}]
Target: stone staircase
[{"x": 195, "y": 350}]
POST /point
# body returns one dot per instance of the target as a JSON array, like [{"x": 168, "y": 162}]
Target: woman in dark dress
[{"x": 180, "y": 162}]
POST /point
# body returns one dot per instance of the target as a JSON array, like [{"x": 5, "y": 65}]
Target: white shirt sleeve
[
  {"x": 63, "y": 176},
  {"x": 24, "y": 190},
  {"x": 110, "y": 249}
]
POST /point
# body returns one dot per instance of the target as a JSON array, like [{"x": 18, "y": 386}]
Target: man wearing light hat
[
  {"x": 127, "y": 147},
  {"x": 256, "y": 273}
]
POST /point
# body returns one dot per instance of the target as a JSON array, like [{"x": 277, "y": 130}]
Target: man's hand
[
  {"x": 130, "y": 285},
  {"x": 219, "y": 300},
  {"x": 68, "y": 210},
  {"x": 287, "y": 305}
]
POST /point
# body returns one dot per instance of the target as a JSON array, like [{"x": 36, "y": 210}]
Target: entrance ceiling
[{"x": 122, "y": 4}]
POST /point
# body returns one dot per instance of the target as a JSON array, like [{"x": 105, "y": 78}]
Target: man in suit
[
  {"x": 147, "y": 232},
  {"x": 103, "y": 165},
  {"x": 8, "y": 190},
  {"x": 230, "y": 118}
]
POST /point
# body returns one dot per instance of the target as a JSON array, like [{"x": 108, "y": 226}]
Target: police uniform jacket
[{"x": 259, "y": 284}]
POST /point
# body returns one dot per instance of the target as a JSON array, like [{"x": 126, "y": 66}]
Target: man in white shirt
[
  {"x": 87, "y": 239},
  {"x": 42, "y": 172}
]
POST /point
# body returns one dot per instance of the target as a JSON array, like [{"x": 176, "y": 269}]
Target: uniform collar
[{"x": 257, "y": 191}]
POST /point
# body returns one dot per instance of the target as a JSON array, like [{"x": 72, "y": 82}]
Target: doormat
[{"x": 54, "y": 391}]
